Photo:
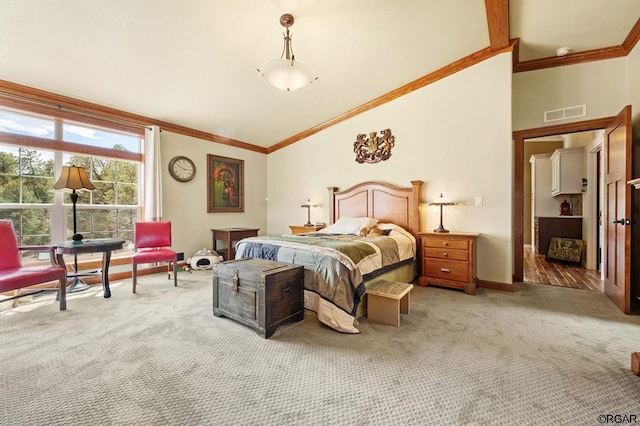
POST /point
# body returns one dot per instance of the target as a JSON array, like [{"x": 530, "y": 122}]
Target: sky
[{"x": 23, "y": 124}]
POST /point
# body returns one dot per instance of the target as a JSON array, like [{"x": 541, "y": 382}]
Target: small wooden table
[
  {"x": 386, "y": 300},
  {"x": 98, "y": 245},
  {"x": 230, "y": 236}
]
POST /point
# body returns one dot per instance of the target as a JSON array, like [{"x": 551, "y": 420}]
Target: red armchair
[
  {"x": 152, "y": 240},
  {"x": 14, "y": 276}
]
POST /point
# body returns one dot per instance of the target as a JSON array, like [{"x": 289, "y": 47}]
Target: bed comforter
[{"x": 336, "y": 267}]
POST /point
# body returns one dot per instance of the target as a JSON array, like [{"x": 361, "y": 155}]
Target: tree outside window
[{"x": 28, "y": 168}]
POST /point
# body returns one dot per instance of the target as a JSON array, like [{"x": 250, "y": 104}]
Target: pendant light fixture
[{"x": 286, "y": 73}]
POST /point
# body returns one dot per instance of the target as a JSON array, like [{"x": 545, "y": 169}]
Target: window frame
[{"x": 60, "y": 147}]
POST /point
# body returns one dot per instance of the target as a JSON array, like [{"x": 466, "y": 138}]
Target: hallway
[{"x": 560, "y": 274}]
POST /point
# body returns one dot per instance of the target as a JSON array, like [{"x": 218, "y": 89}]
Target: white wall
[
  {"x": 455, "y": 135},
  {"x": 633, "y": 86},
  {"x": 543, "y": 203},
  {"x": 600, "y": 85},
  {"x": 185, "y": 204}
]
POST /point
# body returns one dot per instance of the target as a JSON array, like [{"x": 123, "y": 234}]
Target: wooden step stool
[{"x": 387, "y": 300}]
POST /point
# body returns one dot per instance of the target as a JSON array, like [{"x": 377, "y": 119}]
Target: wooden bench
[{"x": 387, "y": 300}]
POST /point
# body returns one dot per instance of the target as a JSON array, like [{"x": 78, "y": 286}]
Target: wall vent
[{"x": 565, "y": 113}]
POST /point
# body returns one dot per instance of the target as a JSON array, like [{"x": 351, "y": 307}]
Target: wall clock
[{"x": 182, "y": 168}]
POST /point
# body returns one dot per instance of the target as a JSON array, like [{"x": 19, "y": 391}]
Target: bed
[{"x": 340, "y": 264}]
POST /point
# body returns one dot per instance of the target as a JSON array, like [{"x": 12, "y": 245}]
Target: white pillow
[{"x": 349, "y": 225}]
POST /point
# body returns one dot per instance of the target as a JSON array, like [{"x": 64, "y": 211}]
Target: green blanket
[{"x": 345, "y": 244}]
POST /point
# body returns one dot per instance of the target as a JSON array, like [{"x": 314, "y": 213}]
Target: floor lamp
[
  {"x": 74, "y": 178},
  {"x": 441, "y": 201}
]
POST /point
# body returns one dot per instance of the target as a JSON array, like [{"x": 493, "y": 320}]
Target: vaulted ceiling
[{"x": 193, "y": 64}]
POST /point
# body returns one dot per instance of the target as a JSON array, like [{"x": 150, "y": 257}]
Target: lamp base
[
  {"x": 308, "y": 224},
  {"x": 441, "y": 229},
  {"x": 77, "y": 286},
  {"x": 77, "y": 237}
]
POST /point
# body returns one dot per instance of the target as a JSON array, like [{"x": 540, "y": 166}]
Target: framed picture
[{"x": 225, "y": 184}]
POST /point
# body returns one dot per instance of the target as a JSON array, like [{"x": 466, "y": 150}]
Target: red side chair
[
  {"x": 152, "y": 240},
  {"x": 14, "y": 276}
]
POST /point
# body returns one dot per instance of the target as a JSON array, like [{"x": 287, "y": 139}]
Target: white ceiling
[{"x": 193, "y": 62}]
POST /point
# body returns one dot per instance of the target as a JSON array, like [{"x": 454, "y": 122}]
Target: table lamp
[
  {"x": 441, "y": 201},
  {"x": 308, "y": 205},
  {"x": 74, "y": 178}
]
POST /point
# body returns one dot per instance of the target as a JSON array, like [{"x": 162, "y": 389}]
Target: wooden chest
[
  {"x": 449, "y": 259},
  {"x": 258, "y": 293}
]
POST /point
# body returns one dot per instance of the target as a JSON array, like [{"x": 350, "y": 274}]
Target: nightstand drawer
[
  {"x": 447, "y": 270},
  {"x": 444, "y": 243},
  {"x": 445, "y": 253}
]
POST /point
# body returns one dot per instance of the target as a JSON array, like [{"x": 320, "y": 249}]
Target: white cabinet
[{"x": 567, "y": 171}]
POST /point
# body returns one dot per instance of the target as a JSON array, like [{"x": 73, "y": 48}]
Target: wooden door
[{"x": 617, "y": 210}]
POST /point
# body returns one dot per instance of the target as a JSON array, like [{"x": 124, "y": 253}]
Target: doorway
[
  {"x": 616, "y": 205},
  {"x": 544, "y": 215},
  {"x": 518, "y": 206}
]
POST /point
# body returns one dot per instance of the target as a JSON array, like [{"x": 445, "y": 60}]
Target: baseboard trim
[
  {"x": 124, "y": 274},
  {"x": 97, "y": 279},
  {"x": 494, "y": 285}
]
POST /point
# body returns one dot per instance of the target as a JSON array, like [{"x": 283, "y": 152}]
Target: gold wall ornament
[{"x": 374, "y": 148}]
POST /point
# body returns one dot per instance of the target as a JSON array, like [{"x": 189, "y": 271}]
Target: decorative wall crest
[{"x": 374, "y": 148}]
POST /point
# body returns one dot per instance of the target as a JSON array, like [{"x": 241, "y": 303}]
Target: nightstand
[
  {"x": 299, "y": 229},
  {"x": 449, "y": 259},
  {"x": 230, "y": 236}
]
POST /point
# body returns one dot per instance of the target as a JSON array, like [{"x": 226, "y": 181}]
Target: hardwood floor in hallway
[{"x": 561, "y": 274}]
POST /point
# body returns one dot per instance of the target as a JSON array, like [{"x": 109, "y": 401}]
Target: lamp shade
[
  {"x": 287, "y": 74},
  {"x": 308, "y": 203},
  {"x": 441, "y": 201},
  {"x": 74, "y": 177}
]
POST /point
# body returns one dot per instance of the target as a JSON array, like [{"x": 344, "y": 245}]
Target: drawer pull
[
  {"x": 445, "y": 270},
  {"x": 444, "y": 243},
  {"x": 445, "y": 254}
]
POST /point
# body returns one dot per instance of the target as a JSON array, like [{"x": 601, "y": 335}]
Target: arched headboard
[{"x": 384, "y": 201}]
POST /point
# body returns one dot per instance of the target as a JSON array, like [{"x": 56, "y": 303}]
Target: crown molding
[{"x": 425, "y": 80}]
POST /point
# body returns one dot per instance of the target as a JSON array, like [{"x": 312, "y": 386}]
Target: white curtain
[{"x": 152, "y": 174}]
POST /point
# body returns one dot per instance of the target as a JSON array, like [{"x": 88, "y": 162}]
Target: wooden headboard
[{"x": 386, "y": 202}]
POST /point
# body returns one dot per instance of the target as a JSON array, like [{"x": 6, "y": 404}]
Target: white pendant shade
[{"x": 287, "y": 74}]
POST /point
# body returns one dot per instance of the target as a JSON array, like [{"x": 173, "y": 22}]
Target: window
[
  {"x": 26, "y": 197},
  {"x": 24, "y": 124},
  {"x": 111, "y": 209},
  {"x": 31, "y": 157}
]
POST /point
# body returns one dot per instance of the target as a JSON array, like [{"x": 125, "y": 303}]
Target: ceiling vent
[{"x": 565, "y": 113}]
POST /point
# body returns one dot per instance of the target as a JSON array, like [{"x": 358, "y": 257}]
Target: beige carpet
[{"x": 542, "y": 355}]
